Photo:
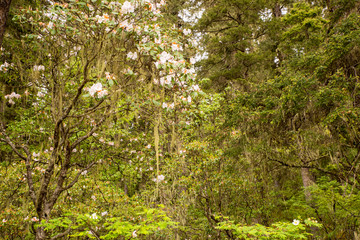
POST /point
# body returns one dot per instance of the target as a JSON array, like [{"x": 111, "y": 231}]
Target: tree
[
  {"x": 4, "y": 11},
  {"x": 85, "y": 65}
]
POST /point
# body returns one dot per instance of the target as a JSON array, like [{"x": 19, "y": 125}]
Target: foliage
[
  {"x": 280, "y": 230},
  {"x": 109, "y": 131}
]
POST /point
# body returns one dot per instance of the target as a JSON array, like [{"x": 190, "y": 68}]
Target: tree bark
[
  {"x": 40, "y": 234},
  {"x": 307, "y": 182},
  {"x": 276, "y": 11},
  {"x": 4, "y": 12}
]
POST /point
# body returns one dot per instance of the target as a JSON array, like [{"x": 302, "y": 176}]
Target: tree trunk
[
  {"x": 276, "y": 11},
  {"x": 40, "y": 234},
  {"x": 4, "y": 11},
  {"x": 307, "y": 182}
]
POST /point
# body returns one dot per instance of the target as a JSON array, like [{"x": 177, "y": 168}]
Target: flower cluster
[
  {"x": 38, "y": 68},
  {"x": 170, "y": 105},
  {"x": 176, "y": 47},
  {"x": 127, "y": 7},
  {"x": 102, "y": 19},
  {"x": 5, "y": 66},
  {"x": 159, "y": 178},
  {"x": 97, "y": 89},
  {"x": 11, "y": 96},
  {"x": 109, "y": 76},
  {"x": 163, "y": 58},
  {"x": 187, "y": 31},
  {"x": 42, "y": 170},
  {"x": 184, "y": 99},
  {"x": 132, "y": 55}
]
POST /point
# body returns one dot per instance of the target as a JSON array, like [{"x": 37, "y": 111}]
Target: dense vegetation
[{"x": 112, "y": 127}]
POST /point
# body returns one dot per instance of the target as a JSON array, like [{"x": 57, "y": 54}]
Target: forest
[{"x": 180, "y": 119}]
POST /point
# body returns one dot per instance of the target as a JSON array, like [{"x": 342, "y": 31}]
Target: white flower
[
  {"x": 91, "y": 8},
  {"x": 4, "y": 220},
  {"x": 38, "y": 68},
  {"x": 134, "y": 235},
  {"x": 97, "y": 88},
  {"x": 145, "y": 39},
  {"x": 84, "y": 173},
  {"x": 157, "y": 40},
  {"x": 13, "y": 95},
  {"x": 4, "y": 67},
  {"x": 296, "y": 222},
  {"x": 196, "y": 88},
  {"x": 182, "y": 151},
  {"x": 35, "y": 219},
  {"x": 168, "y": 79},
  {"x": 111, "y": 143},
  {"x": 132, "y": 56},
  {"x": 187, "y": 31},
  {"x": 102, "y": 93},
  {"x": 176, "y": 47},
  {"x": 126, "y": 25},
  {"x": 36, "y": 154},
  {"x": 148, "y": 146},
  {"x": 192, "y": 71},
  {"x": 164, "y": 56},
  {"x": 93, "y": 216},
  {"x": 159, "y": 178},
  {"x": 40, "y": 94},
  {"x": 189, "y": 99},
  {"x": 50, "y": 25},
  {"x": 101, "y": 19},
  {"x": 109, "y": 76},
  {"x": 192, "y": 60},
  {"x": 127, "y": 7},
  {"x": 104, "y": 213},
  {"x": 164, "y": 105},
  {"x": 93, "y": 198},
  {"x": 162, "y": 2}
]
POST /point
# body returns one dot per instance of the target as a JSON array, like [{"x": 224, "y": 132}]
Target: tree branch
[{"x": 63, "y": 234}]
